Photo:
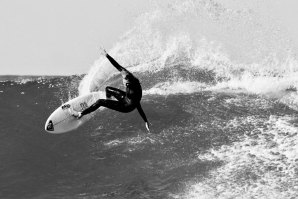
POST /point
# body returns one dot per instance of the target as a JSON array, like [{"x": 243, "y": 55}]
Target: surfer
[{"x": 126, "y": 101}]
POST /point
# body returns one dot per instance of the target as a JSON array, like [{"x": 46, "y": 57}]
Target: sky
[{"x": 61, "y": 37}]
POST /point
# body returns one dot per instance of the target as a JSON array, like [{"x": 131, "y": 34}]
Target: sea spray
[{"x": 241, "y": 46}]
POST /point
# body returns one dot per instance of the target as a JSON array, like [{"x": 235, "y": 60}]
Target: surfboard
[{"x": 62, "y": 120}]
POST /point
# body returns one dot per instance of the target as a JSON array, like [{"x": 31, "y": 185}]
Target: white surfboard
[{"x": 62, "y": 120}]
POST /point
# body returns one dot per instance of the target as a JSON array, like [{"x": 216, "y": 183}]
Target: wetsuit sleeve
[
  {"x": 115, "y": 64},
  {"x": 142, "y": 113}
]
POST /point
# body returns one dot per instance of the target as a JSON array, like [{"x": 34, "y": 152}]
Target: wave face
[{"x": 220, "y": 89}]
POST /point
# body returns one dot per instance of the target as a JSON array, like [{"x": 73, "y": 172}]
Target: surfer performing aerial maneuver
[{"x": 126, "y": 101}]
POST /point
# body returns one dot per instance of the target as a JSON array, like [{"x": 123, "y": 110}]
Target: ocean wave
[
  {"x": 203, "y": 35},
  {"x": 168, "y": 88}
]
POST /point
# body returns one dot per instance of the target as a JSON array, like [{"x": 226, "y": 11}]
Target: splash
[{"x": 243, "y": 45}]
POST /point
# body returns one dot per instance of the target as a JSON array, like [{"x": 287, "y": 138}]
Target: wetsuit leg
[
  {"x": 117, "y": 93},
  {"x": 121, "y": 105},
  {"x": 111, "y": 104}
]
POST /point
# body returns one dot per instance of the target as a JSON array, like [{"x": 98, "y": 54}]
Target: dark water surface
[{"x": 113, "y": 156}]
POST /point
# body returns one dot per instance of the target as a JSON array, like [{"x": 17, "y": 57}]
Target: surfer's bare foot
[{"x": 78, "y": 115}]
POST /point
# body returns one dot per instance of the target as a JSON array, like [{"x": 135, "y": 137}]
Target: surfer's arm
[
  {"x": 115, "y": 64},
  {"x": 143, "y": 116},
  {"x": 112, "y": 60}
]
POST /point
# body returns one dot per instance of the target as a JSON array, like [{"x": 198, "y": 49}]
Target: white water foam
[
  {"x": 168, "y": 88},
  {"x": 262, "y": 165},
  {"x": 133, "y": 143},
  {"x": 209, "y": 35}
]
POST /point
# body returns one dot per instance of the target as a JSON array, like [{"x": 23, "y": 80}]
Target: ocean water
[{"x": 219, "y": 85}]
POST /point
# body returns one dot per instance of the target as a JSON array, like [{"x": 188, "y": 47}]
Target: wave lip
[{"x": 179, "y": 87}]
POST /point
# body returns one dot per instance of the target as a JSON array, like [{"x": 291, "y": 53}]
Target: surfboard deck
[{"x": 62, "y": 120}]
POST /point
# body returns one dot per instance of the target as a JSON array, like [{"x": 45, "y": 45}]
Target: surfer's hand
[
  {"x": 102, "y": 51},
  {"x": 147, "y": 124}
]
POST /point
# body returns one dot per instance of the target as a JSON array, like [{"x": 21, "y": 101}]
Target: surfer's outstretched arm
[
  {"x": 120, "y": 68},
  {"x": 143, "y": 116},
  {"x": 115, "y": 64}
]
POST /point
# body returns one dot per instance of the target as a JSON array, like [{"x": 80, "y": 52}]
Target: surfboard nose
[{"x": 49, "y": 127}]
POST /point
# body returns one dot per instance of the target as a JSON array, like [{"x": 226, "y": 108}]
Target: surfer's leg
[
  {"x": 91, "y": 108},
  {"x": 117, "y": 93},
  {"x": 115, "y": 105},
  {"x": 111, "y": 104}
]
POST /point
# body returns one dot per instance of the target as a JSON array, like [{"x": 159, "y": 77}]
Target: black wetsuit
[{"x": 126, "y": 101}]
